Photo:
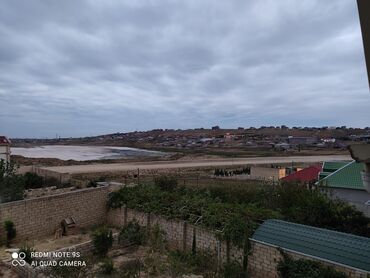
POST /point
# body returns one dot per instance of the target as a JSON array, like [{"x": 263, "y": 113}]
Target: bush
[
  {"x": 131, "y": 269},
  {"x": 10, "y": 231},
  {"x": 166, "y": 183},
  {"x": 157, "y": 241},
  {"x": 27, "y": 250},
  {"x": 132, "y": 234},
  {"x": 185, "y": 262},
  {"x": 107, "y": 267},
  {"x": 233, "y": 270},
  {"x": 102, "y": 240},
  {"x": 11, "y": 184},
  {"x": 32, "y": 180},
  {"x": 290, "y": 268}
]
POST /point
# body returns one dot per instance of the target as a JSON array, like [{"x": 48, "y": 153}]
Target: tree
[
  {"x": 11, "y": 184},
  {"x": 102, "y": 240}
]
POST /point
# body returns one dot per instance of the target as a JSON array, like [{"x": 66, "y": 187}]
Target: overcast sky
[{"x": 81, "y": 68}]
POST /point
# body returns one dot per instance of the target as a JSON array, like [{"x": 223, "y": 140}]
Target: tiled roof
[
  {"x": 336, "y": 247},
  {"x": 349, "y": 176},
  {"x": 4, "y": 140},
  {"x": 305, "y": 175}
]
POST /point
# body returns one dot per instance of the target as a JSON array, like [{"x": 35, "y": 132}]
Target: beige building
[
  {"x": 267, "y": 173},
  {"x": 4, "y": 148}
]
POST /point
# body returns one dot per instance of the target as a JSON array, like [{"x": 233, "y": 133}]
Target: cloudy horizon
[{"x": 81, "y": 68}]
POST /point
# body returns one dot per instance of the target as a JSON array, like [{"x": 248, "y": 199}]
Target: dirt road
[{"x": 76, "y": 169}]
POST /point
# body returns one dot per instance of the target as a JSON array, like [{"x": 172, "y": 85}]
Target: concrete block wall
[
  {"x": 179, "y": 234},
  {"x": 40, "y": 217},
  {"x": 264, "y": 259}
]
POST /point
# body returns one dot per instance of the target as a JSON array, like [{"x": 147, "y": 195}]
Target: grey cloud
[{"x": 90, "y": 67}]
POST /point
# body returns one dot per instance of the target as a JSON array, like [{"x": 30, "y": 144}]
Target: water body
[{"x": 83, "y": 153}]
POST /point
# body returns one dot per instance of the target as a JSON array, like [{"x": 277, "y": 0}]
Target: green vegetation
[
  {"x": 186, "y": 262},
  {"x": 107, "y": 267},
  {"x": 290, "y": 268},
  {"x": 32, "y": 180},
  {"x": 102, "y": 240},
  {"x": 11, "y": 184},
  {"x": 166, "y": 183},
  {"x": 235, "y": 211},
  {"x": 10, "y": 232},
  {"x": 132, "y": 234},
  {"x": 229, "y": 173}
]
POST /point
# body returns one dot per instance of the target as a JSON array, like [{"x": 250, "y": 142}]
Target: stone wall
[
  {"x": 40, "y": 217},
  {"x": 263, "y": 261},
  {"x": 178, "y": 233}
]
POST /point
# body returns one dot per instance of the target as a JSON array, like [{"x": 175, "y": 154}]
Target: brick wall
[
  {"x": 263, "y": 261},
  {"x": 179, "y": 234},
  {"x": 39, "y": 217}
]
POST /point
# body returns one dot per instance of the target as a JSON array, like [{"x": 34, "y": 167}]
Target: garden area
[{"x": 234, "y": 212}]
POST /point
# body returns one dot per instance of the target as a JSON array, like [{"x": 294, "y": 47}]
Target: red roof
[
  {"x": 305, "y": 175},
  {"x": 4, "y": 140}
]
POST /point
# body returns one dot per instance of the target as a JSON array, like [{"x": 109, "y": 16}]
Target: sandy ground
[{"x": 75, "y": 169}]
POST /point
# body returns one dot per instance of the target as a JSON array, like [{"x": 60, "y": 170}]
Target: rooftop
[
  {"x": 305, "y": 175},
  {"x": 4, "y": 140},
  {"x": 348, "y": 176},
  {"x": 335, "y": 247}
]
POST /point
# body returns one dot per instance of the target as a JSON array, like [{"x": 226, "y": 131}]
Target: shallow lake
[{"x": 83, "y": 153}]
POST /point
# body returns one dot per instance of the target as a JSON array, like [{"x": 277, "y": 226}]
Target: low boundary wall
[
  {"x": 264, "y": 259},
  {"x": 179, "y": 233},
  {"x": 40, "y": 217}
]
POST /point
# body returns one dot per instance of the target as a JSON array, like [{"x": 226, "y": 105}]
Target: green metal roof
[
  {"x": 323, "y": 175},
  {"x": 336, "y": 247},
  {"x": 332, "y": 166},
  {"x": 349, "y": 176}
]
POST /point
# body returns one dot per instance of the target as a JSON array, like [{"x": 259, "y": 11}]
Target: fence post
[
  {"x": 219, "y": 258},
  {"x": 148, "y": 222},
  {"x": 125, "y": 216},
  {"x": 184, "y": 235},
  {"x": 228, "y": 251}
]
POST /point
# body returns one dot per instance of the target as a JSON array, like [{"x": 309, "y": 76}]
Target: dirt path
[{"x": 75, "y": 169}]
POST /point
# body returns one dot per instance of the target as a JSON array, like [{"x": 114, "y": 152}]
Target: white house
[{"x": 4, "y": 148}]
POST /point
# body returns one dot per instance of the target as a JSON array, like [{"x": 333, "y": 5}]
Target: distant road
[{"x": 113, "y": 167}]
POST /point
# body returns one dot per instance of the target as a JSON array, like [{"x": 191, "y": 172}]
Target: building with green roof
[
  {"x": 329, "y": 167},
  {"x": 341, "y": 249},
  {"x": 346, "y": 183}
]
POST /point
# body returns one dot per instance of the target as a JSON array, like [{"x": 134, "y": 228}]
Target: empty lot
[{"x": 77, "y": 169}]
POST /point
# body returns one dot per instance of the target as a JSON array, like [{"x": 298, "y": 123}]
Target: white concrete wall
[{"x": 5, "y": 152}]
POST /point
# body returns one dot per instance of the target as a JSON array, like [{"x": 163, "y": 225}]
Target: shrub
[
  {"x": 92, "y": 184},
  {"x": 233, "y": 270},
  {"x": 290, "y": 268},
  {"x": 10, "y": 231},
  {"x": 102, "y": 240},
  {"x": 131, "y": 269},
  {"x": 27, "y": 250},
  {"x": 166, "y": 183},
  {"x": 32, "y": 180},
  {"x": 132, "y": 234},
  {"x": 185, "y": 262},
  {"x": 107, "y": 267},
  {"x": 157, "y": 241},
  {"x": 11, "y": 184}
]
